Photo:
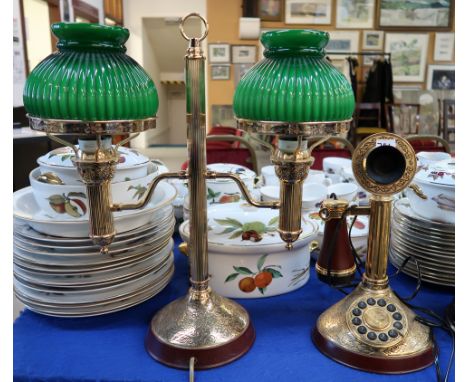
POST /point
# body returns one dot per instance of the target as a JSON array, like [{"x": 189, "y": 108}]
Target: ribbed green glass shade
[
  {"x": 90, "y": 78},
  {"x": 294, "y": 82}
]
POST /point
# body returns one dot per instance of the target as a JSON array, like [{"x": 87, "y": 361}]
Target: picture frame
[
  {"x": 239, "y": 71},
  {"x": 440, "y": 77},
  {"x": 271, "y": 10},
  {"x": 219, "y": 53},
  {"x": 409, "y": 55},
  {"x": 342, "y": 41},
  {"x": 220, "y": 72},
  {"x": 244, "y": 54},
  {"x": 373, "y": 40},
  {"x": 415, "y": 15},
  {"x": 308, "y": 12},
  {"x": 444, "y": 46},
  {"x": 355, "y": 14}
]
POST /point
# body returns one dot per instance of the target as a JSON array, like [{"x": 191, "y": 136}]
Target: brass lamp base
[
  {"x": 204, "y": 325},
  {"x": 373, "y": 330}
]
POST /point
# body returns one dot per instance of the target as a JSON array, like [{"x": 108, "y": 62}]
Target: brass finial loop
[{"x": 182, "y": 22}]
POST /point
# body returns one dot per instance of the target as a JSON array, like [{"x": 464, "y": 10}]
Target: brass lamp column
[
  {"x": 371, "y": 328},
  {"x": 201, "y": 326}
]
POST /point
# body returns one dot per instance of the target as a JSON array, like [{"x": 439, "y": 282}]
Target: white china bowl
[
  {"x": 428, "y": 157},
  {"x": 437, "y": 182},
  {"x": 347, "y": 191},
  {"x": 222, "y": 190},
  {"x": 312, "y": 195},
  {"x": 71, "y": 202},
  {"x": 269, "y": 177},
  {"x": 132, "y": 165},
  {"x": 26, "y": 209},
  {"x": 241, "y": 267},
  {"x": 334, "y": 166},
  {"x": 348, "y": 177}
]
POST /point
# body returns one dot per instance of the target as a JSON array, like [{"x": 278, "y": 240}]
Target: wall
[
  {"x": 36, "y": 17},
  {"x": 138, "y": 47},
  {"x": 223, "y": 18}
]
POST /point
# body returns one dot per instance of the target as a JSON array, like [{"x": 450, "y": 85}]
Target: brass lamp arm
[
  {"x": 243, "y": 188},
  {"x": 146, "y": 198}
]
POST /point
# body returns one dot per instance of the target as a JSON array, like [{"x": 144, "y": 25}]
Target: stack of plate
[
  {"x": 58, "y": 271},
  {"x": 431, "y": 243}
]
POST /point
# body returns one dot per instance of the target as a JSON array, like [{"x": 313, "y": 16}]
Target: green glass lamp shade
[
  {"x": 90, "y": 78},
  {"x": 294, "y": 82}
]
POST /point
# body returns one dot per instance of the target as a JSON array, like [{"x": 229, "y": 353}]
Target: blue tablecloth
[{"x": 110, "y": 348}]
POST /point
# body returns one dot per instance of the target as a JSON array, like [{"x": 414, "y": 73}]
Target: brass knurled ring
[{"x": 182, "y": 22}]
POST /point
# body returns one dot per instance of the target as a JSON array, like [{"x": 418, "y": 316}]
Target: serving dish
[
  {"x": 223, "y": 190},
  {"x": 432, "y": 194},
  {"x": 70, "y": 201},
  {"x": 246, "y": 256},
  {"x": 346, "y": 191},
  {"x": 132, "y": 165},
  {"x": 26, "y": 209}
]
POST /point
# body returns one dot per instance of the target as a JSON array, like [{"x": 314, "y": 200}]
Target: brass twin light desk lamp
[{"x": 91, "y": 89}]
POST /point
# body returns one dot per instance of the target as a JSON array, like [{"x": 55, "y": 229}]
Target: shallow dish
[
  {"x": 246, "y": 256},
  {"x": 132, "y": 165},
  {"x": 437, "y": 183},
  {"x": 26, "y": 209}
]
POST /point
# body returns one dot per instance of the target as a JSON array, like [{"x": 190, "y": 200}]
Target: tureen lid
[
  {"x": 242, "y": 171},
  {"x": 239, "y": 227},
  {"x": 62, "y": 157},
  {"x": 442, "y": 173}
]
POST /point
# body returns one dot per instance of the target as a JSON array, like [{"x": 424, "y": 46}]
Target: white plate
[
  {"x": 94, "y": 295},
  {"x": 26, "y": 209}
]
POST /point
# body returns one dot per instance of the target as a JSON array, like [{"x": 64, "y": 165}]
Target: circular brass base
[
  {"x": 204, "y": 358},
  {"x": 372, "y": 330},
  {"x": 212, "y": 329},
  {"x": 366, "y": 362}
]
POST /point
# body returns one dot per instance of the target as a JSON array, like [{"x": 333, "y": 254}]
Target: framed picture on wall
[
  {"x": 355, "y": 14},
  {"x": 220, "y": 72},
  {"x": 308, "y": 12},
  {"x": 372, "y": 40},
  {"x": 270, "y": 10},
  {"x": 415, "y": 14},
  {"x": 342, "y": 42},
  {"x": 444, "y": 46},
  {"x": 219, "y": 53},
  {"x": 244, "y": 54},
  {"x": 441, "y": 77},
  {"x": 239, "y": 71},
  {"x": 409, "y": 55}
]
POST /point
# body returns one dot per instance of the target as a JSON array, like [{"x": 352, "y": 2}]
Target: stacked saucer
[
  {"x": 431, "y": 243},
  {"x": 59, "y": 272}
]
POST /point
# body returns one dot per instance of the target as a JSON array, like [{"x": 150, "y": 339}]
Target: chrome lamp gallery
[{"x": 91, "y": 89}]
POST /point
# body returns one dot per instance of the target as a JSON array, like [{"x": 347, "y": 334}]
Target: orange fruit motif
[
  {"x": 263, "y": 279},
  {"x": 247, "y": 284}
]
